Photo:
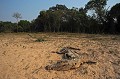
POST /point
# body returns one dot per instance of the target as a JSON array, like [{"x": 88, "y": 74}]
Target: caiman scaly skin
[{"x": 72, "y": 58}]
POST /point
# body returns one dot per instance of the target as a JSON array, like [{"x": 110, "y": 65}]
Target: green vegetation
[
  {"x": 59, "y": 18},
  {"x": 39, "y": 40}
]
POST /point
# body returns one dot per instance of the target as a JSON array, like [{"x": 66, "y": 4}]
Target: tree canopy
[
  {"x": 17, "y": 16},
  {"x": 59, "y": 18}
]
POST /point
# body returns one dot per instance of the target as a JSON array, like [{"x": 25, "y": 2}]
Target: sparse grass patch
[{"x": 40, "y": 40}]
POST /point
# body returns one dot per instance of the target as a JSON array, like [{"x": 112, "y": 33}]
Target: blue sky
[{"x": 30, "y": 9}]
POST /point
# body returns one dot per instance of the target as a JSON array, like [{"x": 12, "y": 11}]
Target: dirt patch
[{"x": 23, "y": 58}]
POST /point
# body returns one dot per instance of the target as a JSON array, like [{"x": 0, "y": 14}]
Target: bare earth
[{"x": 23, "y": 58}]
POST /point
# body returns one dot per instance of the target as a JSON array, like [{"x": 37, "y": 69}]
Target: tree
[
  {"x": 17, "y": 16},
  {"x": 99, "y": 8},
  {"x": 25, "y": 25},
  {"x": 58, "y": 7},
  {"x": 1, "y": 27},
  {"x": 7, "y": 26},
  {"x": 32, "y": 25},
  {"x": 50, "y": 20},
  {"x": 113, "y": 18}
]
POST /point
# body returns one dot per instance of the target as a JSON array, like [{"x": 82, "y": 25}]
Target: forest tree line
[{"x": 93, "y": 18}]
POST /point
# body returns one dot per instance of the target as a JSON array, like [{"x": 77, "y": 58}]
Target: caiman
[{"x": 72, "y": 58}]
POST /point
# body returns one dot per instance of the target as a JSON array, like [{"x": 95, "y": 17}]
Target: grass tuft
[{"x": 39, "y": 40}]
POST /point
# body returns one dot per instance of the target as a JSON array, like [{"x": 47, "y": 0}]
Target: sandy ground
[{"x": 23, "y": 58}]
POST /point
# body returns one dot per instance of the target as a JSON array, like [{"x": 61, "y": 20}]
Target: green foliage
[
  {"x": 99, "y": 7},
  {"x": 113, "y": 19},
  {"x": 7, "y": 26},
  {"x": 61, "y": 19},
  {"x": 25, "y": 25},
  {"x": 115, "y": 11},
  {"x": 75, "y": 20}
]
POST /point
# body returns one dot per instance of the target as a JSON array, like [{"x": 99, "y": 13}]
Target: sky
[{"x": 30, "y": 9}]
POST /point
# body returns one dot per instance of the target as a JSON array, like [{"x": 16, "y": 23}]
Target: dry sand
[{"x": 23, "y": 58}]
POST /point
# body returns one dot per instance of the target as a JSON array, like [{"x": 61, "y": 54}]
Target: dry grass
[{"x": 23, "y": 58}]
